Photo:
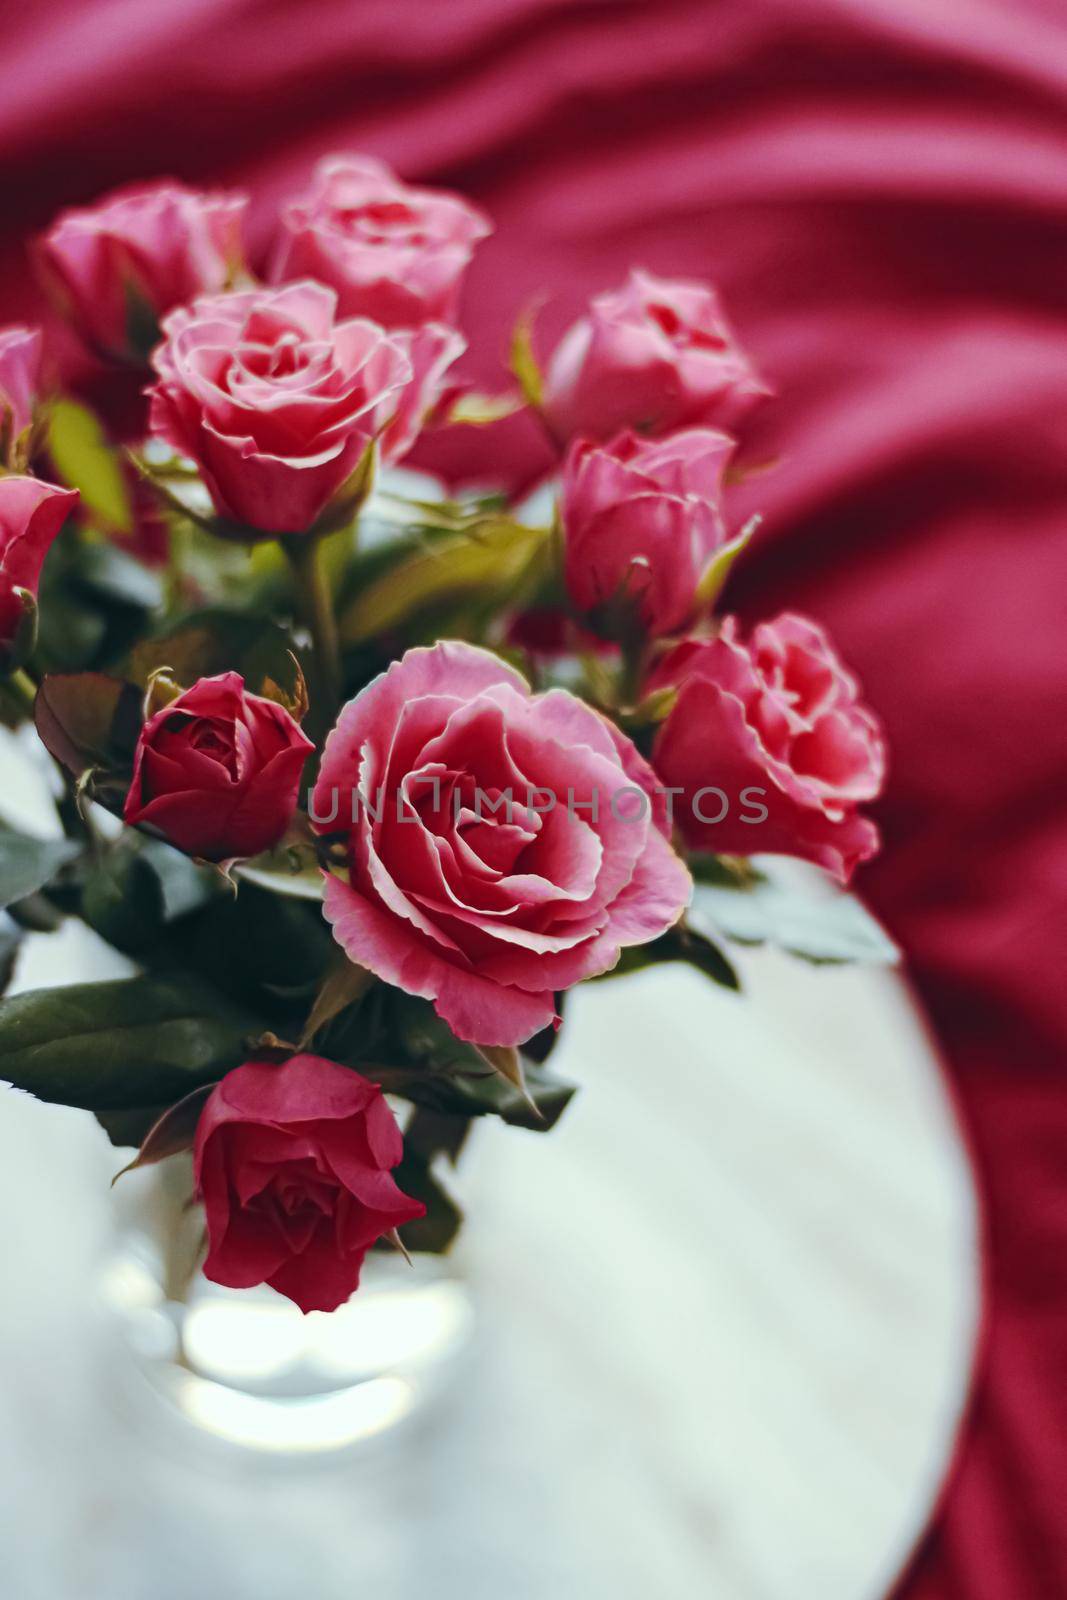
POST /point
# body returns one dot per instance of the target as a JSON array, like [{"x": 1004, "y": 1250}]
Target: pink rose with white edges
[
  {"x": 654, "y": 355},
  {"x": 451, "y": 892},
  {"x": 642, "y": 521},
  {"x": 119, "y": 265},
  {"x": 393, "y": 252},
  {"x": 775, "y": 725},
  {"x": 276, "y": 401}
]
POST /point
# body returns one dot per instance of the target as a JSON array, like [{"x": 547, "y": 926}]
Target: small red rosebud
[{"x": 217, "y": 771}]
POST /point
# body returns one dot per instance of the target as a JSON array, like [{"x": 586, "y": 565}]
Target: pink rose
[
  {"x": 293, "y": 1165},
  {"x": 119, "y": 265},
  {"x": 501, "y": 845},
  {"x": 641, "y": 523},
  {"x": 431, "y": 351},
  {"x": 653, "y": 355},
  {"x": 393, "y": 253},
  {"x": 276, "y": 401},
  {"x": 216, "y": 771},
  {"x": 31, "y": 515},
  {"x": 20, "y": 374},
  {"x": 770, "y": 747}
]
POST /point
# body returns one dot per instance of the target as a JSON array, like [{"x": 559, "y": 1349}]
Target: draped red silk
[{"x": 878, "y": 187}]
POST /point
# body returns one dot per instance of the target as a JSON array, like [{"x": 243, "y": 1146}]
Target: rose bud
[
  {"x": 116, "y": 267},
  {"x": 641, "y": 523},
  {"x": 653, "y": 355},
  {"x": 217, "y": 771},
  {"x": 277, "y": 402},
  {"x": 293, "y": 1165},
  {"x": 769, "y": 746},
  {"x": 31, "y": 515},
  {"x": 20, "y": 375},
  {"x": 394, "y": 253},
  {"x": 501, "y": 845}
]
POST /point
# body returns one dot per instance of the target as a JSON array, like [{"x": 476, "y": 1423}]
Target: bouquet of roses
[{"x": 363, "y": 783}]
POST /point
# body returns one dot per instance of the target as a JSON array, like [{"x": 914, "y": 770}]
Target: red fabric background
[{"x": 878, "y": 186}]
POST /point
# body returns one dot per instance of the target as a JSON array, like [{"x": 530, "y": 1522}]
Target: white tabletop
[{"x": 726, "y": 1312}]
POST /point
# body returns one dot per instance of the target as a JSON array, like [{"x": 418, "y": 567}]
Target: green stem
[
  {"x": 23, "y": 689},
  {"x": 632, "y": 670},
  {"x": 316, "y": 612}
]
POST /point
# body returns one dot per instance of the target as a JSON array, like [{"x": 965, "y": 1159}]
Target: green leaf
[
  {"x": 680, "y": 943},
  {"x": 87, "y": 720},
  {"x": 28, "y": 864},
  {"x": 38, "y": 913},
  {"x": 480, "y": 410},
  {"x": 349, "y": 498},
  {"x": 126, "y": 1128},
  {"x": 138, "y": 888},
  {"x": 218, "y": 640},
  {"x": 344, "y": 985},
  {"x": 123, "y": 1044},
  {"x": 431, "y": 1067},
  {"x": 495, "y": 560},
  {"x": 538, "y": 1110},
  {"x": 713, "y": 580},
  {"x": 184, "y": 497},
  {"x": 398, "y": 1040},
  {"x": 10, "y": 943},
  {"x": 797, "y": 910},
  {"x": 71, "y": 633},
  {"x": 432, "y": 1133},
  {"x": 186, "y": 887},
  {"x": 22, "y": 638},
  {"x": 94, "y": 599},
  {"x": 83, "y": 459},
  {"x": 433, "y": 1233},
  {"x": 174, "y": 1130},
  {"x": 650, "y": 711},
  {"x": 267, "y": 951},
  {"x": 292, "y": 868},
  {"x": 122, "y": 901},
  {"x": 524, "y": 362}
]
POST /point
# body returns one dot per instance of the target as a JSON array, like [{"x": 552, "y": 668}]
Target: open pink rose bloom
[
  {"x": 779, "y": 716},
  {"x": 519, "y": 845},
  {"x": 277, "y": 401}
]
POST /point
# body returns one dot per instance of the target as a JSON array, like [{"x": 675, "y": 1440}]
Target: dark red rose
[
  {"x": 217, "y": 770},
  {"x": 293, "y": 1164},
  {"x": 769, "y": 747}
]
